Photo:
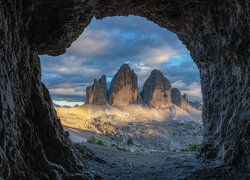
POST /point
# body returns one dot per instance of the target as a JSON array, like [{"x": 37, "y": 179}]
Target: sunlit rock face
[
  {"x": 124, "y": 87},
  {"x": 178, "y": 99},
  {"x": 97, "y": 93},
  {"x": 156, "y": 91},
  {"x": 32, "y": 141}
]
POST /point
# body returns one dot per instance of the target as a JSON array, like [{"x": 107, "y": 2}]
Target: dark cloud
[{"x": 107, "y": 44}]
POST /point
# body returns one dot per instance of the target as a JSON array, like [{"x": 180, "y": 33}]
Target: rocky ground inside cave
[{"x": 109, "y": 163}]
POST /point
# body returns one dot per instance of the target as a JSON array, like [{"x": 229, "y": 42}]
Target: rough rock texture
[
  {"x": 178, "y": 99},
  {"x": 97, "y": 93},
  {"x": 196, "y": 105},
  {"x": 156, "y": 90},
  {"x": 32, "y": 142},
  {"x": 103, "y": 82},
  {"x": 124, "y": 88},
  {"x": 121, "y": 165}
]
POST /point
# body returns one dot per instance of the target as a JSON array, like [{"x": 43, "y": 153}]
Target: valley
[{"x": 134, "y": 127}]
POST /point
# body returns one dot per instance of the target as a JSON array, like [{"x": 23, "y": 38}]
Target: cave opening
[
  {"x": 102, "y": 49},
  {"x": 33, "y": 143}
]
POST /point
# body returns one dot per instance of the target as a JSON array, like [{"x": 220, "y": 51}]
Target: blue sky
[{"x": 107, "y": 44}]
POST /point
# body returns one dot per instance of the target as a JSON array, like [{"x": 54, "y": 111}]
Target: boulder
[
  {"x": 124, "y": 87},
  {"x": 157, "y": 90}
]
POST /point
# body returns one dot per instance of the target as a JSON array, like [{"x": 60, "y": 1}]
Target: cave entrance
[
  {"x": 33, "y": 143},
  {"x": 103, "y": 48}
]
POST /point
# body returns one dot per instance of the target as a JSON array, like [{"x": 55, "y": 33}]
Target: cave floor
[{"x": 116, "y": 164}]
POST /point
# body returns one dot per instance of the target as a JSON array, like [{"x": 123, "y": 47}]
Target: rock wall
[
  {"x": 156, "y": 91},
  {"x": 97, "y": 93},
  {"x": 124, "y": 87},
  {"x": 219, "y": 44},
  {"x": 32, "y": 141}
]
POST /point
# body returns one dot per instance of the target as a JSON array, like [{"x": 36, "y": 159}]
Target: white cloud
[
  {"x": 91, "y": 43},
  {"x": 143, "y": 71},
  {"x": 83, "y": 70},
  {"x": 193, "y": 90},
  {"x": 179, "y": 84},
  {"x": 69, "y": 89},
  {"x": 156, "y": 56},
  {"x": 72, "y": 65},
  {"x": 177, "y": 57},
  {"x": 64, "y": 91},
  {"x": 67, "y": 103}
]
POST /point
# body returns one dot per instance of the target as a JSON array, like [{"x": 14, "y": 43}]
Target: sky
[{"x": 107, "y": 44}]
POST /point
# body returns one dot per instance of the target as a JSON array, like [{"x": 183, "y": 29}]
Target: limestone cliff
[
  {"x": 178, "y": 99},
  {"x": 97, "y": 93},
  {"x": 124, "y": 88},
  {"x": 157, "y": 90}
]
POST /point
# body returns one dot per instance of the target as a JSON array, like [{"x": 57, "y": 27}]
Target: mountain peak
[
  {"x": 97, "y": 93},
  {"x": 157, "y": 90},
  {"x": 124, "y": 87}
]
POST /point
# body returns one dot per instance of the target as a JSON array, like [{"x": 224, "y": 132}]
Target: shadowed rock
[
  {"x": 124, "y": 88},
  {"x": 178, "y": 99},
  {"x": 185, "y": 98},
  {"x": 97, "y": 93},
  {"x": 157, "y": 90}
]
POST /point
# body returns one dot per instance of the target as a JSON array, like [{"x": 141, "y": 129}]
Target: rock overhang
[{"x": 200, "y": 25}]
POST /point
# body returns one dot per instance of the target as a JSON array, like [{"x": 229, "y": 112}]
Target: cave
[{"x": 33, "y": 144}]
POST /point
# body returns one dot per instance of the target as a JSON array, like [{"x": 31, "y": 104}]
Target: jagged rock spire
[
  {"x": 157, "y": 90},
  {"x": 97, "y": 93},
  {"x": 124, "y": 87}
]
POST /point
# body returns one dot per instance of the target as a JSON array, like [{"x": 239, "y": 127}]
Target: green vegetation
[
  {"x": 130, "y": 142},
  {"x": 93, "y": 140},
  {"x": 174, "y": 150},
  {"x": 119, "y": 148},
  {"x": 114, "y": 145},
  {"x": 99, "y": 142},
  {"x": 123, "y": 149},
  {"x": 192, "y": 147}
]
